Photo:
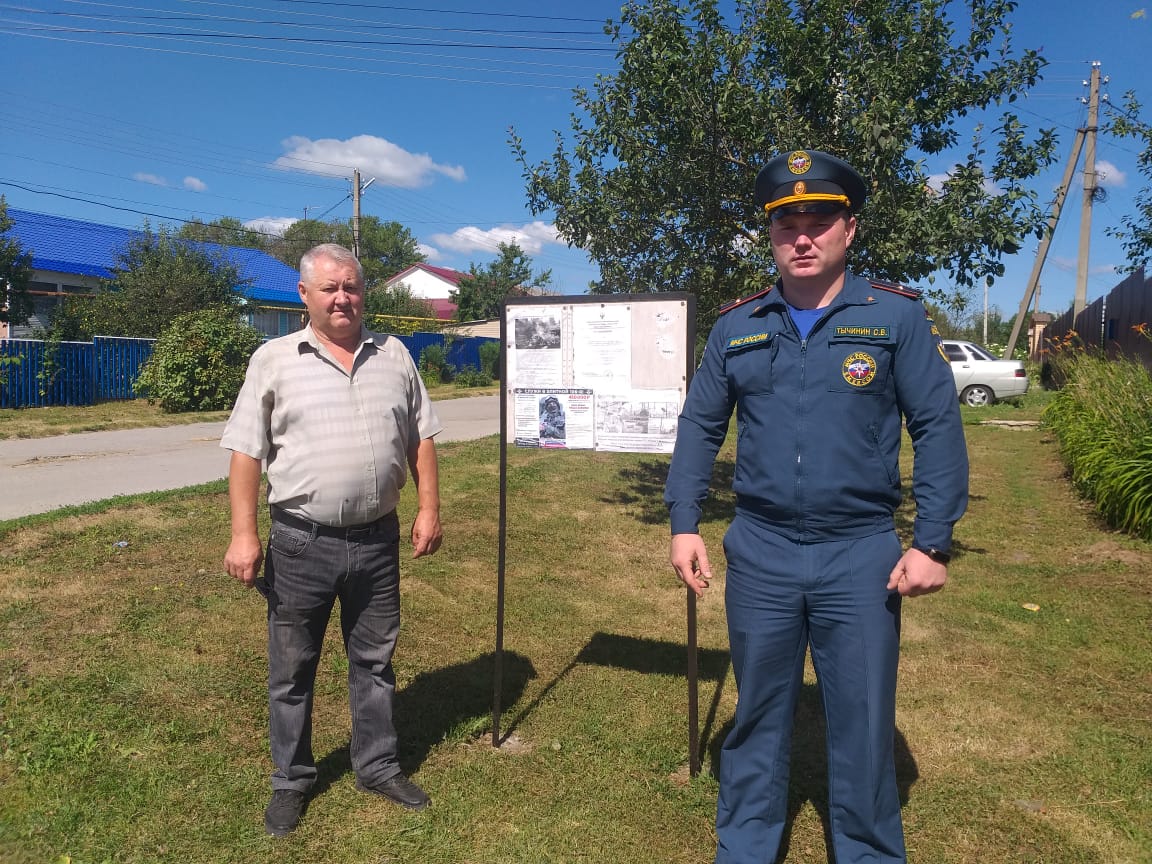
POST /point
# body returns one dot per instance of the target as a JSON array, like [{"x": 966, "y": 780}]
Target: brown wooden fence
[{"x": 1109, "y": 323}]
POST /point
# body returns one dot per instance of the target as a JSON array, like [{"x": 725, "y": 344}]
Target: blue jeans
[
  {"x": 784, "y": 598},
  {"x": 306, "y": 573}
]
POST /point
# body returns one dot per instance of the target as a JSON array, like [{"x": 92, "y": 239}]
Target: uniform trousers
[
  {"x": 783, "y": 598},
  {"x": 306, "y": 572}
]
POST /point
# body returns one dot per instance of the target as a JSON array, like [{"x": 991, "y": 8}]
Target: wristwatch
[{"x": 937, "y": 555}]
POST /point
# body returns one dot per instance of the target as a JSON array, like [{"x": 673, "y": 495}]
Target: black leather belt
[{"x": 347, "y": 532}]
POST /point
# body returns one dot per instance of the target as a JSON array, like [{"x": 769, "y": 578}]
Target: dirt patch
[
  {"x": 514, "y": 745},
  {"x": 1012, "y": 424},
  {"x": 1112, "y": 552},
  {"x": 67, "y": 457}
]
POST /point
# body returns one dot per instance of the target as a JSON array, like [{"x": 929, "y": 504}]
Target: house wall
[
  {"x": 48, "y": 288},
  {"x": 489, "y": 329},
  {"x": 278, "y": 322},
  {"x": 426, "y": 286}
]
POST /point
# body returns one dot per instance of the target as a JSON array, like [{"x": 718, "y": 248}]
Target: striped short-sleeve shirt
[{"x": 335, "y": 443}]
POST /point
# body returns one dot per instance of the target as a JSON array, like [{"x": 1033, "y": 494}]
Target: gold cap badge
[{"x": 799, "y": 162}]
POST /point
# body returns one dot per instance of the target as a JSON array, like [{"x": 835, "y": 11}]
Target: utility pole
[
  {"x": 357, "y": 189},
  {"x": 986, "y": 281},
  {"x": 356, "y": 212},
  {"x": 1045, "y": 242},
  {"x": 1089, "y": 191}
]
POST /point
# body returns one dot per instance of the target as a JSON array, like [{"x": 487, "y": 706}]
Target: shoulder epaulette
[
  {"x": 728, "y": 307},
  {"x": 902, "y": 290}
]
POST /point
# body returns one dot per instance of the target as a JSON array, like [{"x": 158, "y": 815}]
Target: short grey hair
[{"x": 331, "y": 251}]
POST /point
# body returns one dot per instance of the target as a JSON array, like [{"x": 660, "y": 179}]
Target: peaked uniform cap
[{"x": 808, "y": 181}]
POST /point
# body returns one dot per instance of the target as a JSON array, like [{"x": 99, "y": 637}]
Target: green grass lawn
[
  {"x": 138, "y": 413},
  {"x": 133, "y": 723}
]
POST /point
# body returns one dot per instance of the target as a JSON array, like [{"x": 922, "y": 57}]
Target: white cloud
[
  {"x": 195, "y": 184},
  {"x": 390, "y": 164},
  {"x": 141, "y": 177},
  {"x": 431, "y": 253},
  {"x": 1109, "y": 174},
  {"x": 270, "y": 224},
  {"x": 531, "y": 238}
]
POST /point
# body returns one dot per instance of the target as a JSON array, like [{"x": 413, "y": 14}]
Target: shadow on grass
[
  {"x": 808, "y": 781},
  {"x": 809, "y": 771},
  {"x": 643, "y": 492},
  {"x": 905, "y": 521},
  {"x": 434, "y": 705},
  {"x": 646, "y": 656}
]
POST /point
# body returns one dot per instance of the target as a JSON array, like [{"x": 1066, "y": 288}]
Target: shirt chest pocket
[
  {"x": 749, "y": 364},
  {"x": 856, "y": 366}
]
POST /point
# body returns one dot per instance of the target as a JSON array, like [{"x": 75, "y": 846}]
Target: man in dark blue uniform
[{"x": 823, "y": 369}]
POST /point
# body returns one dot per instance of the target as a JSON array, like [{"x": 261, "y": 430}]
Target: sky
[{"x": 167, "y": 110}]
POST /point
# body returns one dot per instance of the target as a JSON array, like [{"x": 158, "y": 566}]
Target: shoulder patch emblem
[{"x": 858, "y": 369}]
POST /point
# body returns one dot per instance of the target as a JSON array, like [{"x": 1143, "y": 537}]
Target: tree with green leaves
[
  {"x": 301, "y": 236},
  {"x": 398, "y": 301},
  {"x": 155, "y": 278},
  {"x": 226, "y": 231},
  {"x": 15, "y": 272},
  {"x": 656, "y": 182},
  {"x": 482, "y": 289},
  {"x": 386, "y": 248},
  {"x": 1135, "y": 232}
]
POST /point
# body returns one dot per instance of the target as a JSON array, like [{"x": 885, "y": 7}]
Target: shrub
[
  {"x": 198, "y": 362},
  {"x": 401, "y": 325},
  {"x": 470, "y": 376},
  {"x": 434, "y": 366},
  {"x": 490, "y": 358},
  {"x": 1102, "y": 418}
]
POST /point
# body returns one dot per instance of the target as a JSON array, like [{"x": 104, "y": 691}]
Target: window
[{"x": 955, "y": 352}]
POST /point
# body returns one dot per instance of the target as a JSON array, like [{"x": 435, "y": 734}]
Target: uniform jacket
[{"x": 819, "y": 420}]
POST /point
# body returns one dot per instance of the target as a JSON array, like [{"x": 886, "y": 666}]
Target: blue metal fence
[
  {"x": 83, "y": 373},
  {"x": 75, "y": 373},
  {"x": 462, "y": 350},
  {"x": 33, "y": 376},
  {"x": 118, "y": 363}
]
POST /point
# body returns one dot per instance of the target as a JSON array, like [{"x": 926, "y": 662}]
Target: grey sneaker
[{"x": 283, "y": 813}]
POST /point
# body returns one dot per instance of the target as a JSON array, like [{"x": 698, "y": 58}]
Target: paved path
[{"x": 41, "y": 474}]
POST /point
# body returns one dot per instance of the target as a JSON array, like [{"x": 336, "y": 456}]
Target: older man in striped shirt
[{"x": 340, "y": 416}]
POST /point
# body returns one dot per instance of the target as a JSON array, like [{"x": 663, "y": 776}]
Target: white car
[{"x": 981, "y": 378}]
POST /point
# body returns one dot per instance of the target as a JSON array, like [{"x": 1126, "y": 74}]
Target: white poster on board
[
  {"x": 602, "y": 346},
  {"x": 535, "y": 345},
  {"x": 641, "y": 421},
  {"x": 552, "y": 417},
  {"x": 607, "y": 373}
]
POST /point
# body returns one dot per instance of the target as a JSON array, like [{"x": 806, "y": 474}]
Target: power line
[
  {"x": 315, "y": 66},
  {"x": 21, "y": 28},
  {"x": 422, "y": 10},
  {"x": 281, "y": 23}
]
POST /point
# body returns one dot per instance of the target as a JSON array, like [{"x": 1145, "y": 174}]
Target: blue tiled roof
[{"x": 89, "y": 249}]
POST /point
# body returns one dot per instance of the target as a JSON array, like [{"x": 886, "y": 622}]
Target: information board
[{"x": 597, "y": 372}]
